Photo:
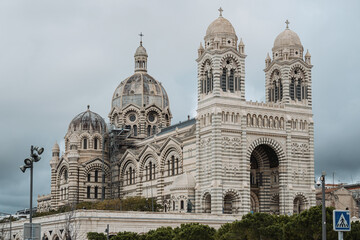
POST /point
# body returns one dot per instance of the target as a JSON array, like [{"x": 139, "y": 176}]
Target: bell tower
[
  {"x": 288, "y": 73},
  {"x": 221, "y": 89}
]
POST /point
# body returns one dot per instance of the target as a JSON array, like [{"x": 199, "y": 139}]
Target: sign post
[{"x": 341, "y": 222}]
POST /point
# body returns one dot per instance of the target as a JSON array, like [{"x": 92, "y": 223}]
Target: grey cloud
[{"x": 56, "y": 57}]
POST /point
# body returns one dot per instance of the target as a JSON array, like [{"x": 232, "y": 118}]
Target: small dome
[
  {"x": 307, "y": 54},
  {"x": 141, "y": 90},
  {"x": 88, "y": 120},
  {"x": 140, "y": 51},
  {"x": 287, "y": 39},
  {"x": 184, "y": 181},
  {"x": 56, "y": 147},
  {"x": 220, "y": 26}
]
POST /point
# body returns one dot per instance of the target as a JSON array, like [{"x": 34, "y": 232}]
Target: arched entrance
[
  {"x": 264, "y": 179},
  {"x": 207, "y": 203},
  {"x": 299, "y": 204},
  {"x": 231, "y": 203}
]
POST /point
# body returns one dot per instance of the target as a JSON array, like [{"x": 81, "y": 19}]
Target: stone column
[
  {"x": 216, "y": 165},
  {"x": 73, "y": 157}
]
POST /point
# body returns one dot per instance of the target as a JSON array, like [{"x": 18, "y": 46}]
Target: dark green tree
[
  {"x": 162, "y": 233},
  {"x": 194, "y": 231},
  {"x": 96, "y": 236},
  {"x": 126, "y": 236}
]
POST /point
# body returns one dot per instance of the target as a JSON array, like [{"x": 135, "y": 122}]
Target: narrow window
[
  {"x": 89, "y": 177},
  {"x": 174, "y": 205},
  {"x": 96, "y": 193},
  {"x": 103, "y": 192},
  {"x": 149, "y": 130},
  {"x": 146, "y": 174},
  {"x": 150, "y": 173},
  {"x": 88, "y": 192},
  {"x": 292, "y": 89},
  {"x": 154, "y": 171},
  {"x": 135, "y": 130},
  {"x": 95, "y": 143},
  {"x": 133, "y": 175},
  {"x": 130, "y": 171},
  {"x": 154, "y": 129},
  {"x": 231, "y": 80},
  {"x": 223, "y": 80},
  {"x": 168, "y": 167},
  {"x": 182, "y": 204},
  {"x": 127, "y": 178},
  {"x": 85, "y": 143},
  {"x": 298, "y": 90},
  {"x": 172, "y": 165},
  {"x": 177, "y": 166},
  {"x": 96, "y": 175}
]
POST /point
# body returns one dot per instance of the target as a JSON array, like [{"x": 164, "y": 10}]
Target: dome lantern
[{"x": 141, "y": 57}]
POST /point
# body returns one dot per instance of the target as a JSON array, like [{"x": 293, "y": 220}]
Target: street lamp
[
  {"x": 29, "y": 163},
  {"x": 9, "y": 221},
  {"x": 322, "y": 179}
]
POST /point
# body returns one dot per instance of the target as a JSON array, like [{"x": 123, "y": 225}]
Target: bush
[{"x": 96, "y": 236}]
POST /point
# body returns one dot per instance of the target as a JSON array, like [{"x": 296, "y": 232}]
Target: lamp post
[
  {"x": 29, "y": 163},
  {"x": 322, "y": 178},
  {"x": 9, "y": 221}
]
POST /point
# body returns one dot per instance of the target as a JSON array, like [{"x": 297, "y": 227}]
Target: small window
[
  {"x": 85, "y": 143},
  {"x": 96, "y": 143},
  {"x": 229, "y": 41},
  {"x": 182, "y": 204},
  {"x": 96, "y": 175},
  {"x": 96, "y": 193},
  {"x": 89, "y": 177},
  {"x": 174, "y": 205},
  {"x": 88, "y": 192}
]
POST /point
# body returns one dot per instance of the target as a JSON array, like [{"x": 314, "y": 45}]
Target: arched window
[
  {"x": 174, "y": 205},
  {"x": 89, "y": 177},
  {"x": 182, "y": 204},
  {"x": 127, "y": 178},
  {"x": 88, "y": 191},
  {"x": 85, "y": 143},
  {"x": 146, "y": 173}
]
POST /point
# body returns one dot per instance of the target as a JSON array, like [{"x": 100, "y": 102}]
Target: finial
[
  {"x": 287, "y": 24},
  {"x": 141, "y": 35},
  {"x": 88, "y": 107},
  {"x": 220, "y": 10}
]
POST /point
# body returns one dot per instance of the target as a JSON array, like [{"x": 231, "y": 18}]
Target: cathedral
[{"x": 235, "y": 156}]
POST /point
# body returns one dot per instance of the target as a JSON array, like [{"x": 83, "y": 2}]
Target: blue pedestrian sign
[{"x": 341, "y": 220}]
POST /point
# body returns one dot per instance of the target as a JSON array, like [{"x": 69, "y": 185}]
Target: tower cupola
[{"x": 140, "y": 57}]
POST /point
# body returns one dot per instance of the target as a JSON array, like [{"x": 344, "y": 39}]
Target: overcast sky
[{"x": 56, "y": 57}]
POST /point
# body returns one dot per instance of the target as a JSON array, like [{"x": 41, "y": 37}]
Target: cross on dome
[
  {"x": 287, "y": 24},
  {"x": 141, "y": 35},
  {"x": 220, "y": 10}
]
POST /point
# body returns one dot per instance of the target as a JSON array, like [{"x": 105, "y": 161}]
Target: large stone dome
[
  {"x": 141, "y": 90},
  {"x": 88, "y": 120},
  {"x": 220, "y": 34},
  {"x": 220, "y": 26},
  {"x": 287, "y": 39}
]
